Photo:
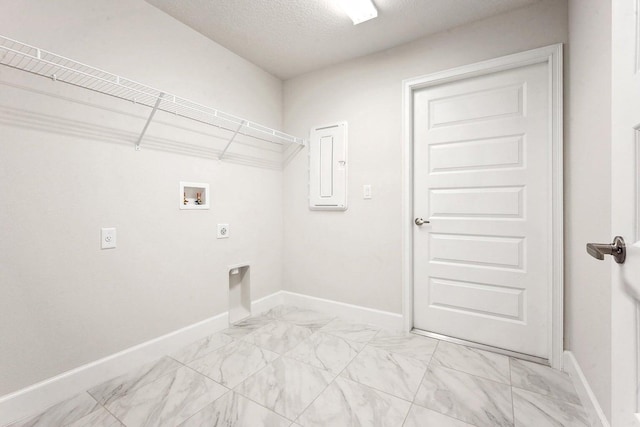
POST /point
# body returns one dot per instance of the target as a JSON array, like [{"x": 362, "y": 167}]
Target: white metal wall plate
[
  {"x": 107, "y": 238},
  {"x": 223, "y": 231},
  {"x": 328, "y": 167}
]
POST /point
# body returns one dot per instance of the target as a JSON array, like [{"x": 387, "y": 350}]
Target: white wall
[
  {"x": 355, "y": 256},
  {"x": 68, "y": 168},
  {"x": 588, "y": 193}
]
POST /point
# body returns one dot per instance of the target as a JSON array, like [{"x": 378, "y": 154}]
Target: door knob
[
  {"x": 420, "y": 221},
  {"x": 616, "y": 249}
]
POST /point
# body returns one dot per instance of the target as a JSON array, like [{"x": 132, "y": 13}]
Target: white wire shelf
[{"x": 24, "y": 57}]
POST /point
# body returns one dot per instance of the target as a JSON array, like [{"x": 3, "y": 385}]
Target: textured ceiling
[{"x": 291, "y": 37}]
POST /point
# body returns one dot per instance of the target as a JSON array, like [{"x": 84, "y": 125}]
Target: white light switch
[
  {"x": 366, "y": 191},
  {"x": 223, "y": 231},
  {"x": 108, "y": 238}
]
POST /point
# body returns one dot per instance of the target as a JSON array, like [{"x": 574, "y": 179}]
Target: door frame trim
[{"x": 552, "y": 56}]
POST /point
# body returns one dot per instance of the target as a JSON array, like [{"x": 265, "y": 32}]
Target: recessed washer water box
[
  {"x": 239, "y": 292},
  {"x": 194, "y": 195}
]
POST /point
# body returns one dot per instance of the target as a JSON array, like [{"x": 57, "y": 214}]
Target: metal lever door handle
[
  {"x": 420, "y": 221},
  {"x": 616, "y": 249}
]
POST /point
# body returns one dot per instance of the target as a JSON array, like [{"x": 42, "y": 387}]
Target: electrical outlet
[
  {"x": 108, "y": 238},
  {"x": 223, "y": 231}
]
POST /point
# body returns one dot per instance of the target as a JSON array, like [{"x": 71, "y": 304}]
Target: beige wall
[
  {"x": 68, "y": 168},
  {"x": 355, "y": 256},
  {"x": 588, "y": 192}
]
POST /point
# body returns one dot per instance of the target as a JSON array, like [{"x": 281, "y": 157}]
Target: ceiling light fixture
[{"x": 359, "y": 10}]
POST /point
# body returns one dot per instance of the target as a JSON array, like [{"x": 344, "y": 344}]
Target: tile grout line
[
  {"x": 99, "y": 405},
  {"x": 204, "y": 407},
  {"x": 471, "y": 375},
  {"x": 413, "y": 402},
  {"x": 332, "y": 336},
  {"x": 513, "y": 406},
  {"x": 262, "y": 406},
  {"x": 236, "y": 342},
  {"x": 229, "y": 390},
  {"x": 314, "y": 332},
  {"x": 391, "y": 353},
  {"x": 476, "y": 375},
  {"x": 301, "y": 341},
  {"x": 377, "y": 329},
  {"x": 184, "y": 365},
  {"x": 113, "y": 415},
  {"x": 280, "y": 356},
  {"x": 295, "y": 420},
  {"x": 367, "y": 344},
  {"x": 258, "y": 403},
  {"x": 334, "y": 379},
  {"x": 365, "y": 385},
  {"x": 328, "y": 385},
  {"x": 406, "y": 417},
  {"x": 548, "y": 396},
  {"x": 136, "y": 382},
  {"x": 250, "y": 375},
  {"x": 209, "y": 403},
  {"x": 207, "y": 353},
  {"x": 425, "y": 372},
  {"x": 271, "y": 320}
]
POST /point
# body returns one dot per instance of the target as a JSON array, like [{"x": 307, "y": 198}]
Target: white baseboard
[
  {"x": 44, "y": 394},
  {"x": 588, "y": 399},
  {"x": 354, "y": 313},
  {"x": 267, "y": 303}
]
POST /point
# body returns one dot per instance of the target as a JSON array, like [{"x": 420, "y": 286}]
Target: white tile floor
[{"x": 294, "y": 367}]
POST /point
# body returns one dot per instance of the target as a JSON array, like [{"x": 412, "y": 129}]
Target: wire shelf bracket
[
  {"x": 146, "y": 125},
  {"x": 231, "y": 141},
  {"x": 27, "y": 58}
]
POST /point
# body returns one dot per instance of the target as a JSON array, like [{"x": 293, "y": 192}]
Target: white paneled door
[
  {"x": 482, "y": 178},
  {"x": 625, "y": 209}
]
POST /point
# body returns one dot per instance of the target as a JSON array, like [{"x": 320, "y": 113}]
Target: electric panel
[{"x": 328, "y": 167}]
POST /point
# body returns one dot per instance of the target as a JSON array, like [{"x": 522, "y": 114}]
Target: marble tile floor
[{"x": 297, "y": 367}]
